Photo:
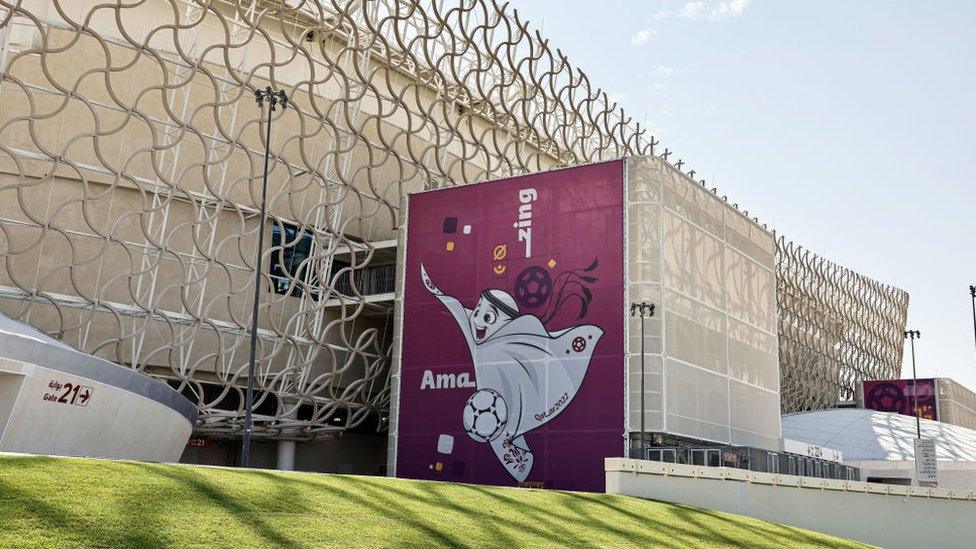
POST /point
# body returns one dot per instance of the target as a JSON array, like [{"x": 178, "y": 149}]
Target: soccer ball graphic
[
  {"x": 485, "y": 415},
  {"x": 532, "y": 287}
]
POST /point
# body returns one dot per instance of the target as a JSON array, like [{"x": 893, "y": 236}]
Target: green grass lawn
[{"x": 67, "y": 502}]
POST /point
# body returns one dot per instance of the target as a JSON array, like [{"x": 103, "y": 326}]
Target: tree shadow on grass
[
  {"x": 420, "y": 513},
  {"x": 708, "y": 524},
  {"x": 375, "y": 501},
  {"x": 393, "y": 499},
  {"x": 552, "y": 523},
  {"x": 142, "y": 527},
  {"x": 668, "y": 527},
  {"x": 476, "y": 511},
  {"x": 555, "y": 517},
  {"x": 548, "y": 524},
  {"x": 368, "y": 499},
  {"x": 566, "y": 523},
  {"x": 675, "y": 524},
  {"x": 574, "y": 509},
  {"x": 776, "y": 534},
  {"x": 51, "y": 517},
  {"x": 246, "y": 515},
  {"x": 59, "y": 512}
]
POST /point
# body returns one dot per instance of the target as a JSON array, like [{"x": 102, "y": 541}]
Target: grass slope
[{"x": 66, "y": 502}]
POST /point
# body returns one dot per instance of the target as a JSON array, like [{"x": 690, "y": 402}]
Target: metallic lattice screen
[
  {"x": 131, "y": 154},
  {"x": 836, "y": 328}
]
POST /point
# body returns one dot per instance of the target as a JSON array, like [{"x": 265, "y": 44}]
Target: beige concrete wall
[{"x": 878, "y": 514}]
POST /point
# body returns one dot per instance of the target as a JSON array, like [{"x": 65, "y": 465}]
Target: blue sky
[{"x": 846, "y": 126}]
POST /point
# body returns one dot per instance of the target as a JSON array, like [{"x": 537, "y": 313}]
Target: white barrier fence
[{"x": 880, "y": 514}]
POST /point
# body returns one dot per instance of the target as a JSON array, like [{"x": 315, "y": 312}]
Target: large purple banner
[{"x": 512, "y": 355}]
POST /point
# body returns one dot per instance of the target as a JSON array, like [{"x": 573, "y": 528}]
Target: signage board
[
  {"x": 926, "y": 464},
  {"x": 511, "y": 361},
  {"x": 62, "y": 392}
]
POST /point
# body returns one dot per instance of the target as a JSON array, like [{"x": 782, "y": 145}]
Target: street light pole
[
  {"x": 647, "y": 309},
  {"x": 272, "y": 98},
  {"x": 972, "y": 292},
  {"x": 911, "y": 336}
]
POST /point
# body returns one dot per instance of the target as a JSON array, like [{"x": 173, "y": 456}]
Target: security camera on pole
[
  {"x": 273, "y": 99},
  {"x": 645, "y": 309}
]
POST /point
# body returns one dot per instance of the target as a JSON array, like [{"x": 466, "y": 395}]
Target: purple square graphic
[{"x": 450, "y": 224}]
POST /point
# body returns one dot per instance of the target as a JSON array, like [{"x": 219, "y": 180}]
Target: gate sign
[
  {"x": 898, "y": 396},
  {"x": 68, "y": 393},
  {"x": 512, "y": 350},
  {"x": 926, "y": 464}
]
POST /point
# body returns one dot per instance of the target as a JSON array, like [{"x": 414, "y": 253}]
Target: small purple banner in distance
[{"x": 897, "y": 395}]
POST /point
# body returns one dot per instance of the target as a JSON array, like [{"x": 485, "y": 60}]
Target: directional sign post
[{"x": 926, "y": 464}]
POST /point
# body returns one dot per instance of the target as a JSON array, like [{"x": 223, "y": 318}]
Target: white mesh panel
[
  {"x": 750, "y": 291},
  {"x": 692, "y": 261},
  {"x": 716, "y": 316},
  {"x": 753, "y": 356},
  {"x": 754, "y": 415},
  {"x": 697, "y": 402},
  {"x": 696, "y": 333},
  {"x": 653, "y": 393}
]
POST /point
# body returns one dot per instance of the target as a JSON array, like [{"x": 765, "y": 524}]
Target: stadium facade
[
  {"x": 131, "y": 154},
  {"x": 837, "y": 328}
]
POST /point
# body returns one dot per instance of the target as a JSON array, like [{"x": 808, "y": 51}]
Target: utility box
[{"x": 516, "y": 358}]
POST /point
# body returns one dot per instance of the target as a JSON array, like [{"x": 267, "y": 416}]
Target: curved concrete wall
[{"x": 57, "y": 400}]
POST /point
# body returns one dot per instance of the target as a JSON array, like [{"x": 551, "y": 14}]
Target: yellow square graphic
[
  {"x": 439, "y": 466},
  {"x": 450, "y": 246}
]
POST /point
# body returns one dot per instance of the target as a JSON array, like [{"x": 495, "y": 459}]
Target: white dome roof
[{"x": 869, "y": 435}]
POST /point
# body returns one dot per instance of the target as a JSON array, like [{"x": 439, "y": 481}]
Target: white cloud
[
  {"x": 729, "y": 9},
  {"x": 691, "y": 10},
  {"x": 663, "y": 71},
  {"x": 643, "y": 36},
  {"x": 698, "y": 11}
]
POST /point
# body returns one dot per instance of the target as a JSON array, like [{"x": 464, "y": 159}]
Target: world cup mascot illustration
[{"x": 525, "y": 375}]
